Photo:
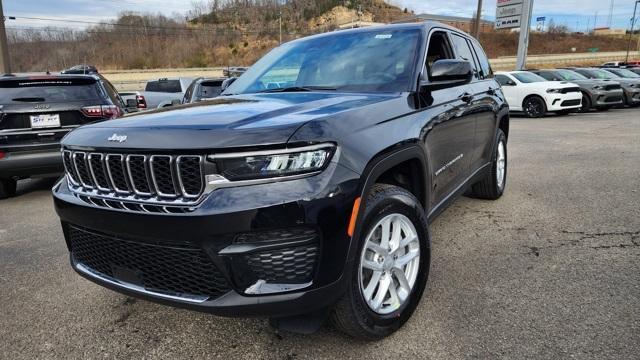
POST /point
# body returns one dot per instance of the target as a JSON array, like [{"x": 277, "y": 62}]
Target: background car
[
  {"x": 234, "y": 71},
  {"x": 203, "y": 88},
  {"x": 631, "y": 87},
  {"x": 37, "y": 111},
  {"x": 159, "y": 93},
  {"x": 598, "y": 94},
  {"x": 81, "y": 69},
  {"x": 535, "y": 96}
]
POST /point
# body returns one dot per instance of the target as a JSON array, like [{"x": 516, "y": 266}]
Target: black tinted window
[
  {"x": 168, "y": 86},
  {"x": 210, "y": 89},
  {"x": 17, "y": 91},
  {"x": 485, "y": 67},
  {"x": 462, "y": 49},
  {"x": 503, "y": 80}
]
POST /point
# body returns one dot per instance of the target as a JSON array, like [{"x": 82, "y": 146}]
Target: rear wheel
[
  {"x": 534, "y": 107},
  {"x": 7, "y": 188},
  {"x": 492, "y": 186},
  {"x": 391, "y": 269},
  {"x": 586, "y": 104}
]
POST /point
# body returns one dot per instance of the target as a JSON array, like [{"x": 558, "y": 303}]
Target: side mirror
[
  {"x": 227, "y": 82},
  {"x": 448, "y": 73},
  {"x": 175, "y": 102},
  {"x": 132, "y": 103},
  {"x": 510, "y": 83}
]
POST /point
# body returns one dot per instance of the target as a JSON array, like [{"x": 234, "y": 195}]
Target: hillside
[{"x": 233, "y": 32}]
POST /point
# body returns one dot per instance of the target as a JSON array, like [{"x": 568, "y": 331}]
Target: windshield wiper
[{"x": 298, "y": 89}]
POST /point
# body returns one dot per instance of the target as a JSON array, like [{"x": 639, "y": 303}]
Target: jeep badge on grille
[{"x": 117, "y": 138}]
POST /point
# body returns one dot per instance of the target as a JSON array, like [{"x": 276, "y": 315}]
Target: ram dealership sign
[{"x": 508, "y": 14}]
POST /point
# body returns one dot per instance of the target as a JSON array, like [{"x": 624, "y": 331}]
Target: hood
[{"x": 223, "y": 122}]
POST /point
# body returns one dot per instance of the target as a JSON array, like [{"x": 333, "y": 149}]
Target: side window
[
  {"x": 503, "y": 80},
  {"x": 439, "y": 48},
  {"x": 463, "y": 51},
  {"x": 485, "y": 67},
  {"x": 187, "y": 94}
]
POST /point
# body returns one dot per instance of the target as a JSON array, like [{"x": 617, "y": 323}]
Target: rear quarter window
[{"x": 167, "y": 86}]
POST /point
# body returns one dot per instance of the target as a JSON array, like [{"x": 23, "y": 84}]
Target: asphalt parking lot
[{"x": 552, "y": 270}]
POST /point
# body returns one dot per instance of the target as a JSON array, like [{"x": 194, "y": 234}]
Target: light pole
[
  {"x": 5, "y": 63},
  {"x": 633, "y": 24}
]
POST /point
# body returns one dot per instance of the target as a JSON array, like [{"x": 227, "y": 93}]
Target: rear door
[{"x": 40, "y": 111}]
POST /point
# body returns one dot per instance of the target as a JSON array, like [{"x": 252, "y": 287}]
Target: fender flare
[{"x": 377, "y": 166}]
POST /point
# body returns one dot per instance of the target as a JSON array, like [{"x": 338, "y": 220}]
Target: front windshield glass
[
  {"x": 569, "y": 75},
  {"x": 602, "y": 74},
  {"x": 526, "y": 77},
  {"x": 377, "y": 60},
  {"x": 626, "y": 73}
]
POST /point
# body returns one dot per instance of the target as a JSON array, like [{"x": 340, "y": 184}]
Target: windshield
[
  {"x": 526, "y": 77},
  {"x": 601, "y": 74},
  {"x": 626, "y": 73},
  {"x": 569, "y": 75},
  {"x": 371, "y": 61}
]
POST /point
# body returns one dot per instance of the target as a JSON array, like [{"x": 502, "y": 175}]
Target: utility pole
[
  {"x": 476, "y": 30},
  {"x": 5, "y": 63},
  {"x": 633, "y": 24},
  {"x": 525, "y": 26},
  {"x": 280, "y": 25}
]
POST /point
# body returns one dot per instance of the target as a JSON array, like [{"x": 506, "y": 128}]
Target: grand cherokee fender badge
[
  {"x": 117, "y": 138},
  {"x": 448, "y": 165}
]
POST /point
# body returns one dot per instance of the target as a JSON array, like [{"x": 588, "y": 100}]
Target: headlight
[
  {"x": 273, "y": 163},
  {"x": 554, "y": 91}
]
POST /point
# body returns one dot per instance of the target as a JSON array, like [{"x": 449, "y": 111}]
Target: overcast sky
[{"x": 577, "y": 14}]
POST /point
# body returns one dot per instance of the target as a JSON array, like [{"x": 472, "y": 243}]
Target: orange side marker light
[{"x": 354, "y": 217}]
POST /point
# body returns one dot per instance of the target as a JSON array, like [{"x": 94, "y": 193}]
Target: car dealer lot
[{"x": 551, "y": 270}]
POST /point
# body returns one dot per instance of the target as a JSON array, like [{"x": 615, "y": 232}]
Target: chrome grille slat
[
  {"x": 132, "y": 180},
  {"x": 100, "y": 180}
]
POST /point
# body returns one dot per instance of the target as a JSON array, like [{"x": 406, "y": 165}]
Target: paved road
[{"x": 552, "y": 270}]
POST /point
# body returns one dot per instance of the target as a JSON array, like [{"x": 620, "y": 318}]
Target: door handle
[{"x": 466, "y": 97}]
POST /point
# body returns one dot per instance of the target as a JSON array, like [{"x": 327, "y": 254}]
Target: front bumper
[
  {"x": 606, "y": 98},
  {"x": 558, "y": 102},
  {"x": 235, "y": 233},
  {"x": 632, "y": 96}
]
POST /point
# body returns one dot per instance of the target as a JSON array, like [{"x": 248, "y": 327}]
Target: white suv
[{"x": 532, "y": 94}]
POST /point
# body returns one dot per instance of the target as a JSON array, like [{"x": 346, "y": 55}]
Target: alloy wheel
[
  {"x": 500, "y": 165},
  {"x": 389, "y": 263}
]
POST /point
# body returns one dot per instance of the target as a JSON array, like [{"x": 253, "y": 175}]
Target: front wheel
[
  {"x": 586, "y": 104},
  {"x": 391, "y": 269},
  {"x": 534, "y": 107},
  {"x": 492, "y": 186}
]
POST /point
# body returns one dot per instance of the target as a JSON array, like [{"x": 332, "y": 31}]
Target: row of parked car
[{"x": 537, "y": 92}]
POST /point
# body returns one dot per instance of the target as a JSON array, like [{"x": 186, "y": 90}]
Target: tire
[
  {"x": 491, "y": 188},
  {"x": 563, "y": 112},
  {"x": 603, "y": 108},
  {"x": 363, "y": 318},
  {"x": 586, "y": 104},
  {"x": 534, "y": 107},
  {"x": 7, "y": 188}
]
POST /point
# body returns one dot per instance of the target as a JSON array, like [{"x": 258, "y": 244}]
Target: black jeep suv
[
  {"x": 37, "y": 111},
  {"x": 306, "y": 189}
]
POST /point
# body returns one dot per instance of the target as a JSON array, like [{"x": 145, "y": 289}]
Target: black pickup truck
[
  {"x": 37, "y": 111},
  {"x": 304, "y": 191}
]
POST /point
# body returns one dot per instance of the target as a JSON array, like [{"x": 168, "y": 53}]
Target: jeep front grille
[{"x": 161, "y": 179}]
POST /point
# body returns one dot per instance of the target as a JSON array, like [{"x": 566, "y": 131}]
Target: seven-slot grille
[{"x": 161, "y": 176}]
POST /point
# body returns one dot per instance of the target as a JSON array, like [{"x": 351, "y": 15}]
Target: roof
[
  {"x": 48, "y": 76},
  {"x": 442, "y": 18}
]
